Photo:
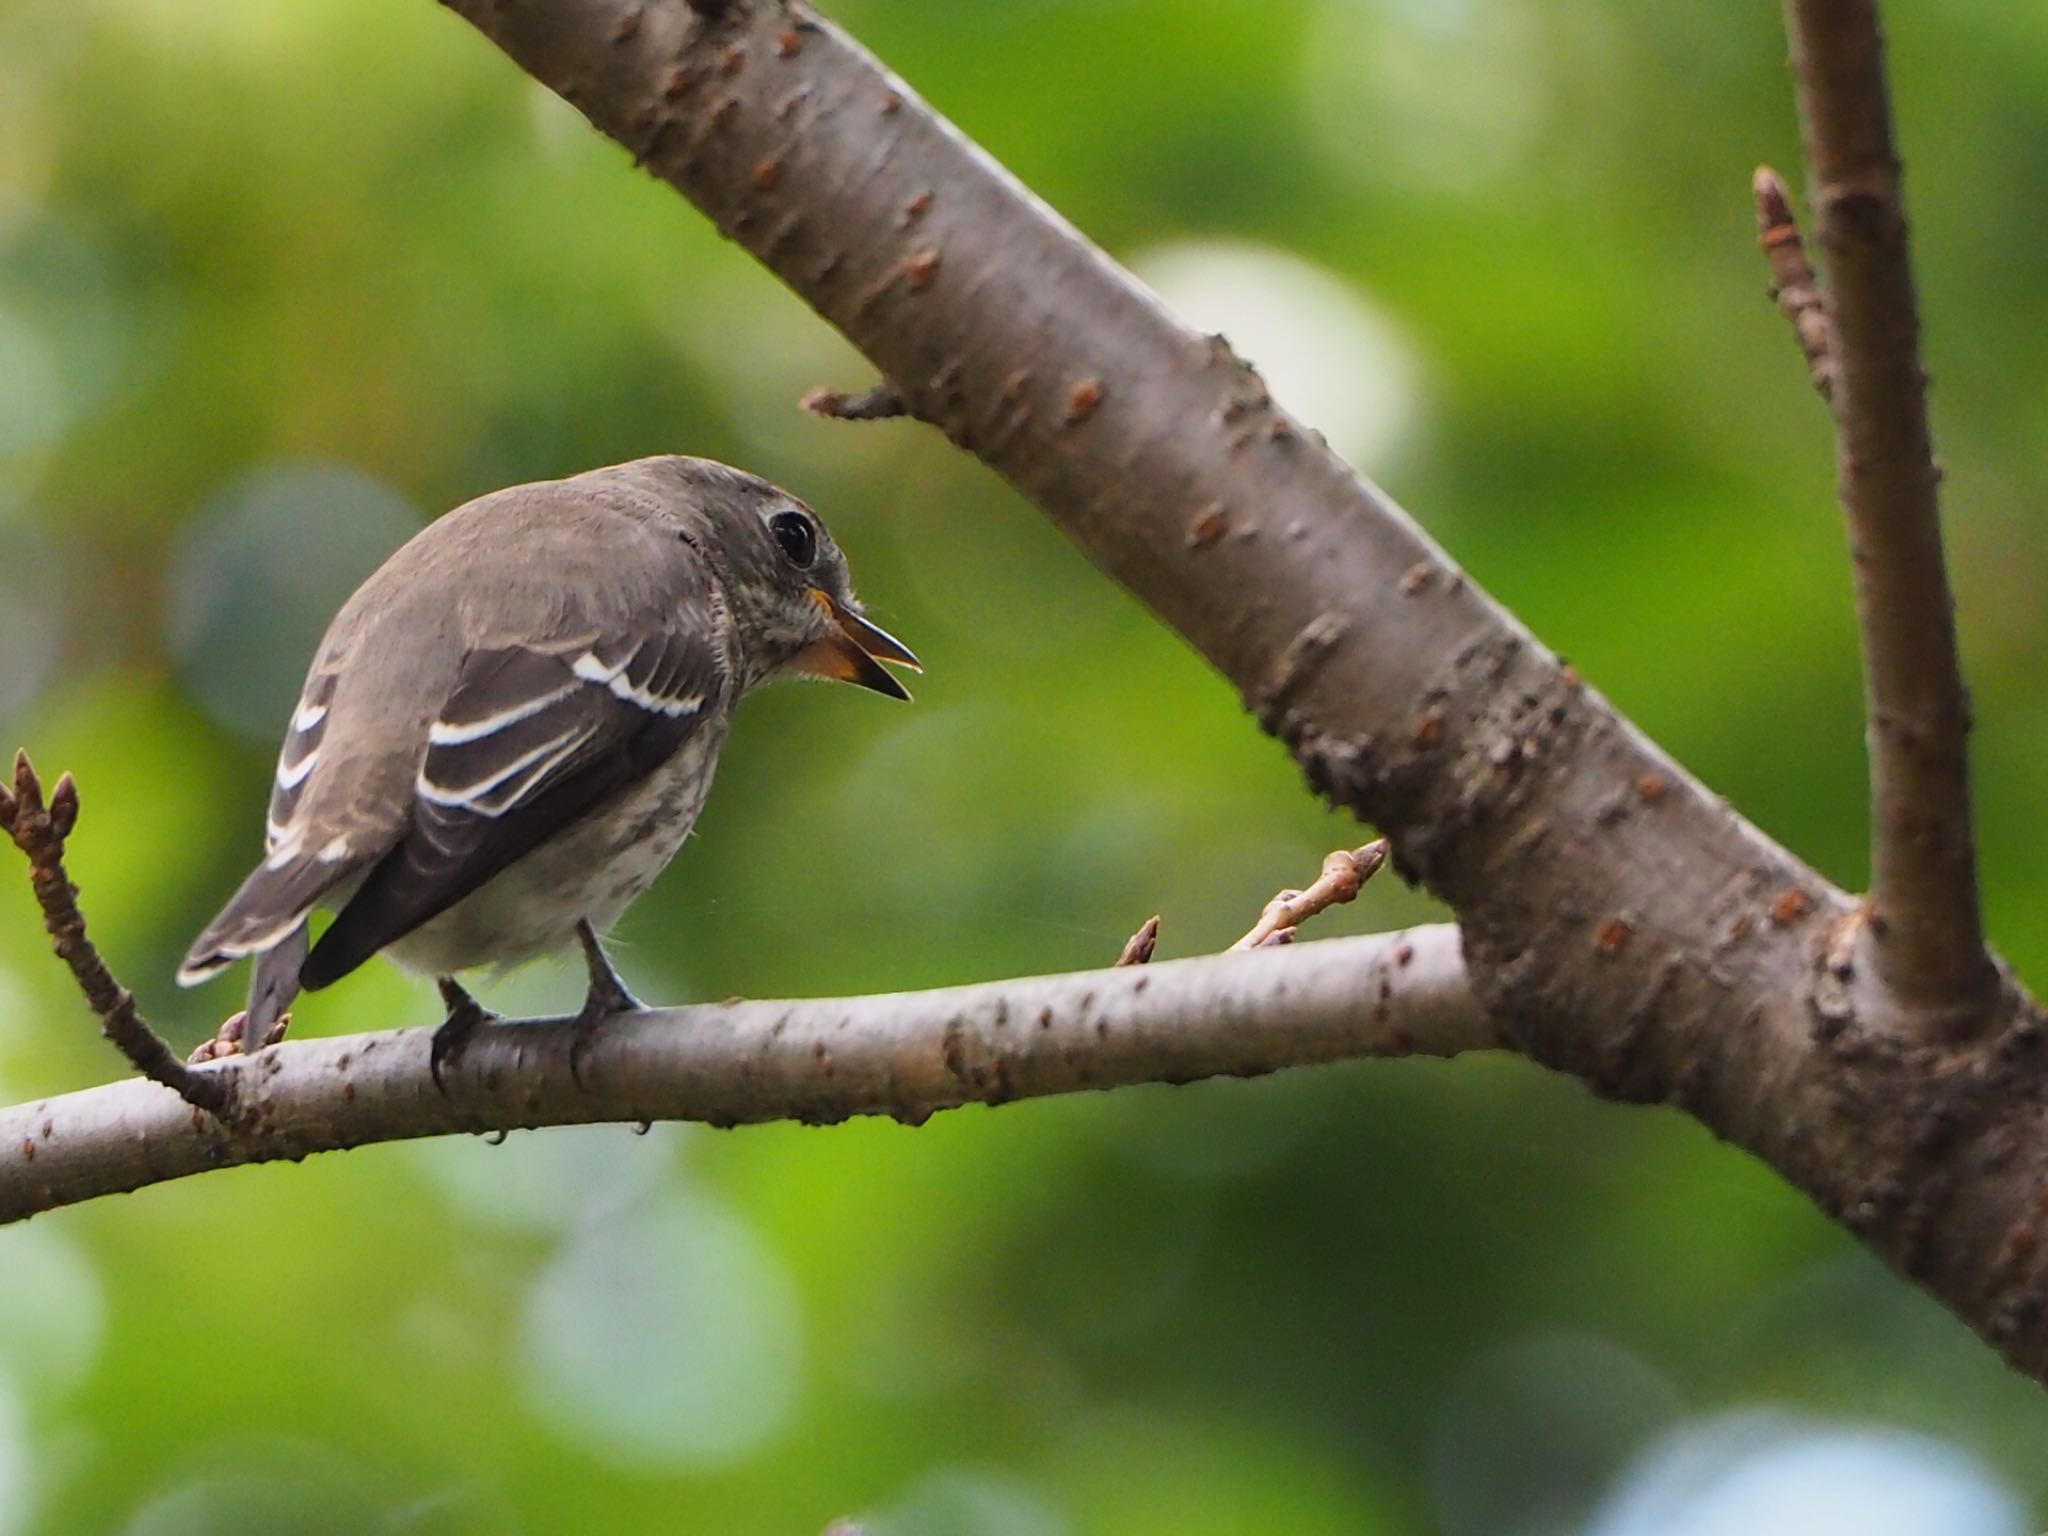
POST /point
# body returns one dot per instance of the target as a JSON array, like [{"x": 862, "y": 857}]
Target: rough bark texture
[
  {"x": 1621, "y": 922},
  {"x": 905, "y": 1055},
  {"x": 1927, "y": 938}
]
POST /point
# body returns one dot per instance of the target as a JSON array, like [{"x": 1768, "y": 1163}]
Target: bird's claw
[
  {"x": 227, "y": 1040},
  {"x": 465, "y": 1017}
]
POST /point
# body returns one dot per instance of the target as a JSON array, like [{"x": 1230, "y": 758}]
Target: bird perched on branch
[{"x": 511, "y": 727}]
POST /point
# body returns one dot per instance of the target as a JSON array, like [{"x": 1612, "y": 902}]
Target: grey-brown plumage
[{"x": 512, "y": 725}]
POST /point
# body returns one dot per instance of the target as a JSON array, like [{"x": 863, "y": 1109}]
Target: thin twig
[
  {"x": 881, "y": 403},
  {"x": 1793, "y": 283},
  {"x": 1344, "y": 875},
  {"x": 1927, "y": 931},
  {"x": 39, "y": 828}
]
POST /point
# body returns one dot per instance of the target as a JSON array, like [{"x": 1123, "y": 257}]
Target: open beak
[{"x": 856, "y": 651}]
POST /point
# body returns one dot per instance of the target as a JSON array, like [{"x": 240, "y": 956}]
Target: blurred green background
[{"x": 280, "y": 279}]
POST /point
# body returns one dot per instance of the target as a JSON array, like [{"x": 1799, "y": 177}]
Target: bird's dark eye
[{"x": 797, "y": 536}]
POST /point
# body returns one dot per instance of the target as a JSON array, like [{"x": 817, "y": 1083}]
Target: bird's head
[{"x": 786, "y": 579}]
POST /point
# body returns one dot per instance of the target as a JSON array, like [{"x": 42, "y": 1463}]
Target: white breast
[{"x": 594, "y": 869}]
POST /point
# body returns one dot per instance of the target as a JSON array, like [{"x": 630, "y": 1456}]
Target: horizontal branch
[{"x": 907, "y": 1055}]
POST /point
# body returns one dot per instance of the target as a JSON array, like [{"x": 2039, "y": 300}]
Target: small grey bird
[{"x": 511, "y": 727}]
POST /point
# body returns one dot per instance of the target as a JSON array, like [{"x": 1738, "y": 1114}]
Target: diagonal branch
[
  {"x": 1928, "y": 934},
  {"x": 1618, "y": 921},
  {"x": 818, "y": 1060}
]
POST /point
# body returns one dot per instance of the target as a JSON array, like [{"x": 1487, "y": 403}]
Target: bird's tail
[
  {"x": 266, "y": 919},
  {"x": 272, "y": 986}
]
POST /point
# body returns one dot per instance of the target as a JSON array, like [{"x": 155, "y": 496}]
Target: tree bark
[
  {"x": 819, "y": 1060},
  {"x": 1621, "y": 923}
]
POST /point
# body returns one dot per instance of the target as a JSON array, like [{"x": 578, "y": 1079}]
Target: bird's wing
[
  {"x": 302, "y": 861},
  {"x": 531, "y": 737}
]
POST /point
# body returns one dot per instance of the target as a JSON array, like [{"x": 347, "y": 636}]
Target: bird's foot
[
  {"x": 465, "y": 1017},
  {"x": 228, "y": 1039},
  {"x": 606, "y": 1000}
]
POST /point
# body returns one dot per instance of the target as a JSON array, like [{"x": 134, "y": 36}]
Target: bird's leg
[
  {"x": 608, "y": 994},
  {"x": 465, "y": 1016},
  {"x": 606, "y": 998}
]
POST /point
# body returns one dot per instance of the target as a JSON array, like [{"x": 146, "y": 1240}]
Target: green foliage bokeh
[{"x": 281, "y": 278}]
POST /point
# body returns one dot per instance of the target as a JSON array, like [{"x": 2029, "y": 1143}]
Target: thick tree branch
[
  {"x": 1620, "y": 922},
  {"x": 1928, "y": 935},
  {"x": 906, "y": 1055}
]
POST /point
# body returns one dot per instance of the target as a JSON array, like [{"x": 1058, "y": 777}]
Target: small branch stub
[
  {"x": 881, "y": 403},
  {"x": 1139, "y": 946},
  {"x": 1793, "y": 282}
]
